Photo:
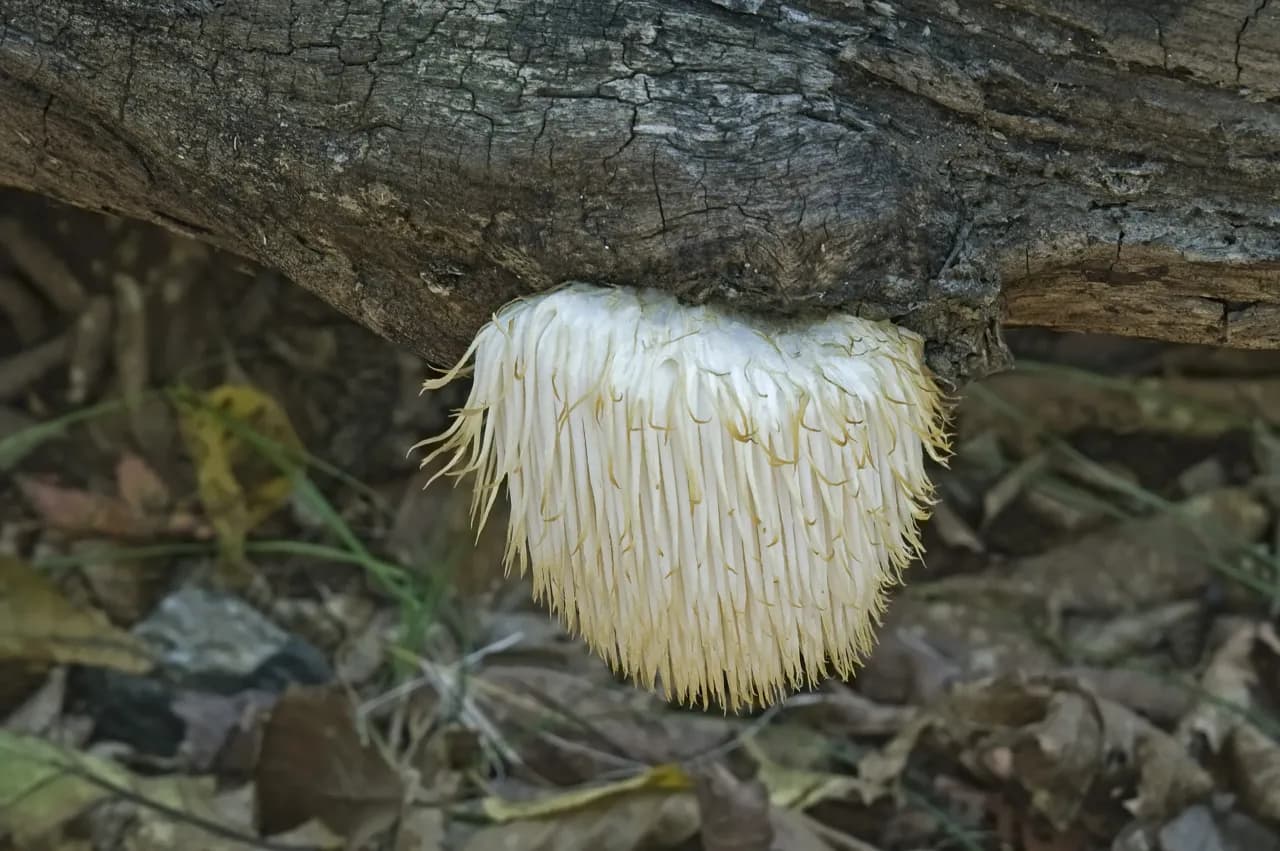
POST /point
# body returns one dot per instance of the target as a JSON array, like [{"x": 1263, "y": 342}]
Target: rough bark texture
[{"x": 1085, "y": 164}]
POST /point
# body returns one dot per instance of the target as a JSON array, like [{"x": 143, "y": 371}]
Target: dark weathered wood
[{"x": 1085, "y": 164}]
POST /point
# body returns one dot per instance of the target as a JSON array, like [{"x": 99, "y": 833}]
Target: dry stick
[
  {"x": 43, "y": 267},
  {"x": 26, "y": 316},
  {"x": 25, "y": 368},
  {"x": 90, "y": 341},
  {"x": 132, "y": 362}
]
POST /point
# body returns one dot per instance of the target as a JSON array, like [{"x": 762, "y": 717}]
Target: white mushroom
[{"x": 713, "y": 500}]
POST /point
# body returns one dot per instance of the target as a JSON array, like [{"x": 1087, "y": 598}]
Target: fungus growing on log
[{"x": 713, "y": 500}]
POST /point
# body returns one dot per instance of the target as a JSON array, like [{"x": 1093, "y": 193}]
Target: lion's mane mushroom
[{"x": 713, "y": 500}]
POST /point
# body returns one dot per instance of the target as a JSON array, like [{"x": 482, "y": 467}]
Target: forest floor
[{"x": 231, "y": 616}]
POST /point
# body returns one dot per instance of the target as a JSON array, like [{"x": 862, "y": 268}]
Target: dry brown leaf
[
  {"x": 930, "y": 640},
  {"x": 362, "y": 655},
  {"x": 43, "y": 786},
  {"x": 140, "y": 486},
  {"x": 198, "y": 803},
  {"x": 1226, "y": 684},
  {"x": 422, "y": 830},
  {"x": 881, "y": 768},
  {"x": 86, "y": 513},
  {"x": 474, "y": 559},
  {"x": 1255, "y": 759},
  {"x": 125, "y": 589},
  {"x": 1055, "y": 741},
  {"x": 1167, "y": 556},
  {"x": 214, "y": 727},
  {"x": 969, "y": 626},
  {"x": 1128, "y": 633},
  {"x": 1141, "y": 562},
  {"x": 1058, "y": 758},
  {"x": 1109, "y": 745},
  {"x": 1168, "y": 777},
  {"x": 38, "y": 624},
  {"x": 1016, "y": 830},
  {"x": 1150, "y": 694},
  {"x": 81, "y": 512},
  {"x": 314, "y": 764},
  {"x": 576, "y": 728},
  {"x": 734, "y": 810}
]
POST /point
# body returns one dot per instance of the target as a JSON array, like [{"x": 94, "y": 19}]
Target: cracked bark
[{"x": 1081, "y": 164}]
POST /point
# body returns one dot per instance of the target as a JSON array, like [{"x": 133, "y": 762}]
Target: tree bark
[{"x": 1083, "y": 164}]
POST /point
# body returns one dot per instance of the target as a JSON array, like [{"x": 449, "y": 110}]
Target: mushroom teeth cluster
[{"x": 714, "y": 501}]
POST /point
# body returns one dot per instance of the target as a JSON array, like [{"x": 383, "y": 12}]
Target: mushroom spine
[{"x": 713, "y": 500}]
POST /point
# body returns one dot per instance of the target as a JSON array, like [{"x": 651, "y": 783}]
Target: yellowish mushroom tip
[{"x": 714, "y": 501}]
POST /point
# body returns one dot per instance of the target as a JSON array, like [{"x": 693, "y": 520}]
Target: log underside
[{"x": 1080, "y": 164}]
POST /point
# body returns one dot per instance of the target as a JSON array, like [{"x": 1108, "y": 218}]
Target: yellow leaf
[
  {"x": 668, "y": 777},
  {"x": 239, "y": 485},
  {"x": 38, "y": 624},
  {"x": 632, "y": 821},
  {"x": 43, "y": 786},
  {"x": 799, "y": 789}
]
